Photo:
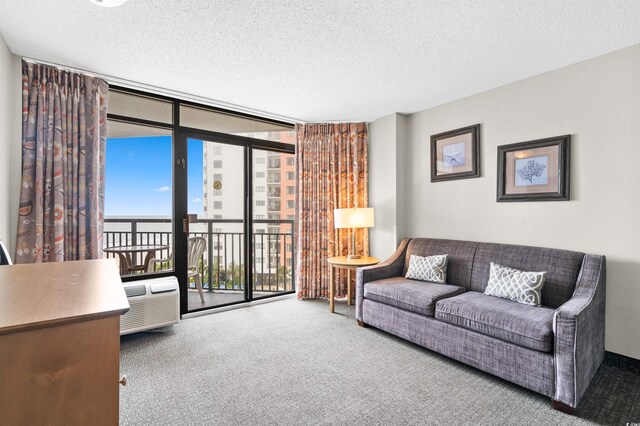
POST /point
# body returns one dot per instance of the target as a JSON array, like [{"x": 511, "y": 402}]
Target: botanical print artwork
[
  {"x": 535, "y": 170},
  {"x": 453, "y": 155},
  {"x": 531, "y": 171}
]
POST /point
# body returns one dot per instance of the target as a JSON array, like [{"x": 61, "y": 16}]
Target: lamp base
[{"x": 353, "y": 256}]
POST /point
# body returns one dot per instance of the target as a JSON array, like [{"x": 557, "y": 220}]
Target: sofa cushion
[
  {"x": 415, "y": 296},
  {"x": 524, "y": 325},
  {"x": 429, "y": 268}
]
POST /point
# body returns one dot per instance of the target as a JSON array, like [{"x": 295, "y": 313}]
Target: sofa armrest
[
  {"x": 392, "y": 267},
  {"x": 579, "y": 333}
]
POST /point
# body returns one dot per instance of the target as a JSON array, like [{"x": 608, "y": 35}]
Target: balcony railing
[{"x": 223, "y": 260}]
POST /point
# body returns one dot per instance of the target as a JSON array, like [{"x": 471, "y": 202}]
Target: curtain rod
[{"x": 170, "y": 93}]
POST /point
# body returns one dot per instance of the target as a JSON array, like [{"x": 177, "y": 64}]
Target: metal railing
[{"x": 222, "y": 264}]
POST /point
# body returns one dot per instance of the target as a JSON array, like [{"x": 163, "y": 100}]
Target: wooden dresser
[{"x": 60, "y": 343}]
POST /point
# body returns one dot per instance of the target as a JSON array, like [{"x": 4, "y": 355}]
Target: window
[
  {"x": 148, "y": 150},
  {"x": 274, "y": 177},
  {"x": 260, "y": 174},
  {"x": 217, "y": 246},
  {"x": 217, "y": 230},
  {"x": 274, "y": 191},
  {"x": 290, "y": 175},
  {"x": 217, "y": 216},
  {"x": 274, "y": 216},
  {"x": 217, "y": 164},
  {"x": 217, "y": 205},
  {"x": 274, "y": 206},
  {"x": 140, "y": 106},
  {"x": 289, "y": 247},
  {"x": 259, "y": 188},
  {"x": 217, "y": 192},
  {"x": 259, "y": 231},
  {"x": 217, "y": 176},
  {"x": 217, "y": 150},
  {"x": 199, "y": 117},
  {"x": 274, "y": 163},
  {"x": 274, "y": 230},
  {"x": 260, "y": 203},
  {"x": 291, "y": 217},
  {"x": 291, "y": 190},
  {"x": 291, "y": 204},
  {"x": 259, "y": 160},
  {"x": 291, "y": 161},
  {"x": 258, "y": 260},
  {"x": 260, "y": 216}
]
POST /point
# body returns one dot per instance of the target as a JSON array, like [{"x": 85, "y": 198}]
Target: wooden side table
[{"x": 342, "y": 262}]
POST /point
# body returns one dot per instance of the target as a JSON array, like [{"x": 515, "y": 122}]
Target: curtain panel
[
  {"x": 63, "y": 163},
  {"x": 331, "y": 165}
]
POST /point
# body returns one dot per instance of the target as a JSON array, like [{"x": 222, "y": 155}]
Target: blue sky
[{"x": 139, "y": 178}]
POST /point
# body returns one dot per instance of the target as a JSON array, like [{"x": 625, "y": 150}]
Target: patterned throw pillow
[
  {"x": 430, "y": 268},
  {"x": 519, "y": 286}
]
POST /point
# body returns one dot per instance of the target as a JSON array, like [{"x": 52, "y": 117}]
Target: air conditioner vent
[{"x": 153, "y": 303}]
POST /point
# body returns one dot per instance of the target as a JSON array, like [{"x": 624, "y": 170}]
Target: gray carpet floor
[{"x": 290, "y": 362}]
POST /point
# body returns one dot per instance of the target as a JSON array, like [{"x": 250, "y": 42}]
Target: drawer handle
[{"x": 123, "y": 380}]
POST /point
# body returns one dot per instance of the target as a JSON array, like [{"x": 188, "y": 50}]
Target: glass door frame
[
  {"x": 181, "y": 208},
  {"x": 180, "y": 135}
]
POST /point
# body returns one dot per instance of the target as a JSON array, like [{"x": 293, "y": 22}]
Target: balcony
[{"x": 223, "y": 260}]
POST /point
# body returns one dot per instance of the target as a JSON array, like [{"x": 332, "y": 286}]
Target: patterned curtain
[
  {"x": 63, "y": 147},
  {"x": 331, "y": 162}
]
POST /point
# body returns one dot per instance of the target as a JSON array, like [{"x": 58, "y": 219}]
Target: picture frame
[
  {"x": 456, "y": 154},
  {"x": 535, "y": 170}
]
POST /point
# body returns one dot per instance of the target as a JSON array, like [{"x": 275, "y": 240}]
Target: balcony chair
[{"x": 195, "y": 249}]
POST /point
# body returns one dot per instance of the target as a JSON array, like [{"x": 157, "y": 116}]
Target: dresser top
[{"x": 48, "y": 294}]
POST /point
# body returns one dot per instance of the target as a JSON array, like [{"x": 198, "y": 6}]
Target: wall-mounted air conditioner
[{"x": 153, "y": 303}]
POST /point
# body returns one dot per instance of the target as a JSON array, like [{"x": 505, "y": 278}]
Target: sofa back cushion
[
  {"x": 459, "y": 261},
  {"x": 562, "y": 268}
]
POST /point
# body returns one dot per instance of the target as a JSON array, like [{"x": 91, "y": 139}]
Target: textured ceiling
[{"x": 321, "y": 60}]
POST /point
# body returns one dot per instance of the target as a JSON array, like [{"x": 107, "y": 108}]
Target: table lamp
[{"x": 353, "y": 218}]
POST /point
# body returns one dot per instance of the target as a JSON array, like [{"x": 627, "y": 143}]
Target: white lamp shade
[{"x": 353, "y": 218}]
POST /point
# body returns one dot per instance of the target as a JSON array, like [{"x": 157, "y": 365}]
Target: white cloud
[
  {"x": 196, "y": 200},
  {"x": 163, "y": 189}
]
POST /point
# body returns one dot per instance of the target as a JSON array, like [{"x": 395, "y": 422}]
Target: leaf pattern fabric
[
  {"x": 63, "y": 162},
  {"x": 332, "y": 173}
]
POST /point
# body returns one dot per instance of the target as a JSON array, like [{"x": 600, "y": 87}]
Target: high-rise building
[{"x": 273, "y": 201}]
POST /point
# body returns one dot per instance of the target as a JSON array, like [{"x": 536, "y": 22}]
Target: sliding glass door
[
  {"x": 199, "y": 193},
  {"x": 273, "y": 194},
  {"x": 215, "y": 224}
]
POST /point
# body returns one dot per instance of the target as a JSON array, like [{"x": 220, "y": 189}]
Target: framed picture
[
  {"x": 456, "y": 154},
  {"x": 535, "y": 170}
]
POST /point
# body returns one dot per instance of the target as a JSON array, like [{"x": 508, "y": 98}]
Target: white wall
[
  {"x": 598, "y": 103},
  {"x": 6, "y": 147},
  {"x": 387, "y": 137}
]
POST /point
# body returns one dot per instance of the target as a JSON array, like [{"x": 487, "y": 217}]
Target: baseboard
[{"x": 622, "y": 362}]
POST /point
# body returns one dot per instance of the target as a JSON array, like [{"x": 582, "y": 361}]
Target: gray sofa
[{"x": 554, "y": 349}]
